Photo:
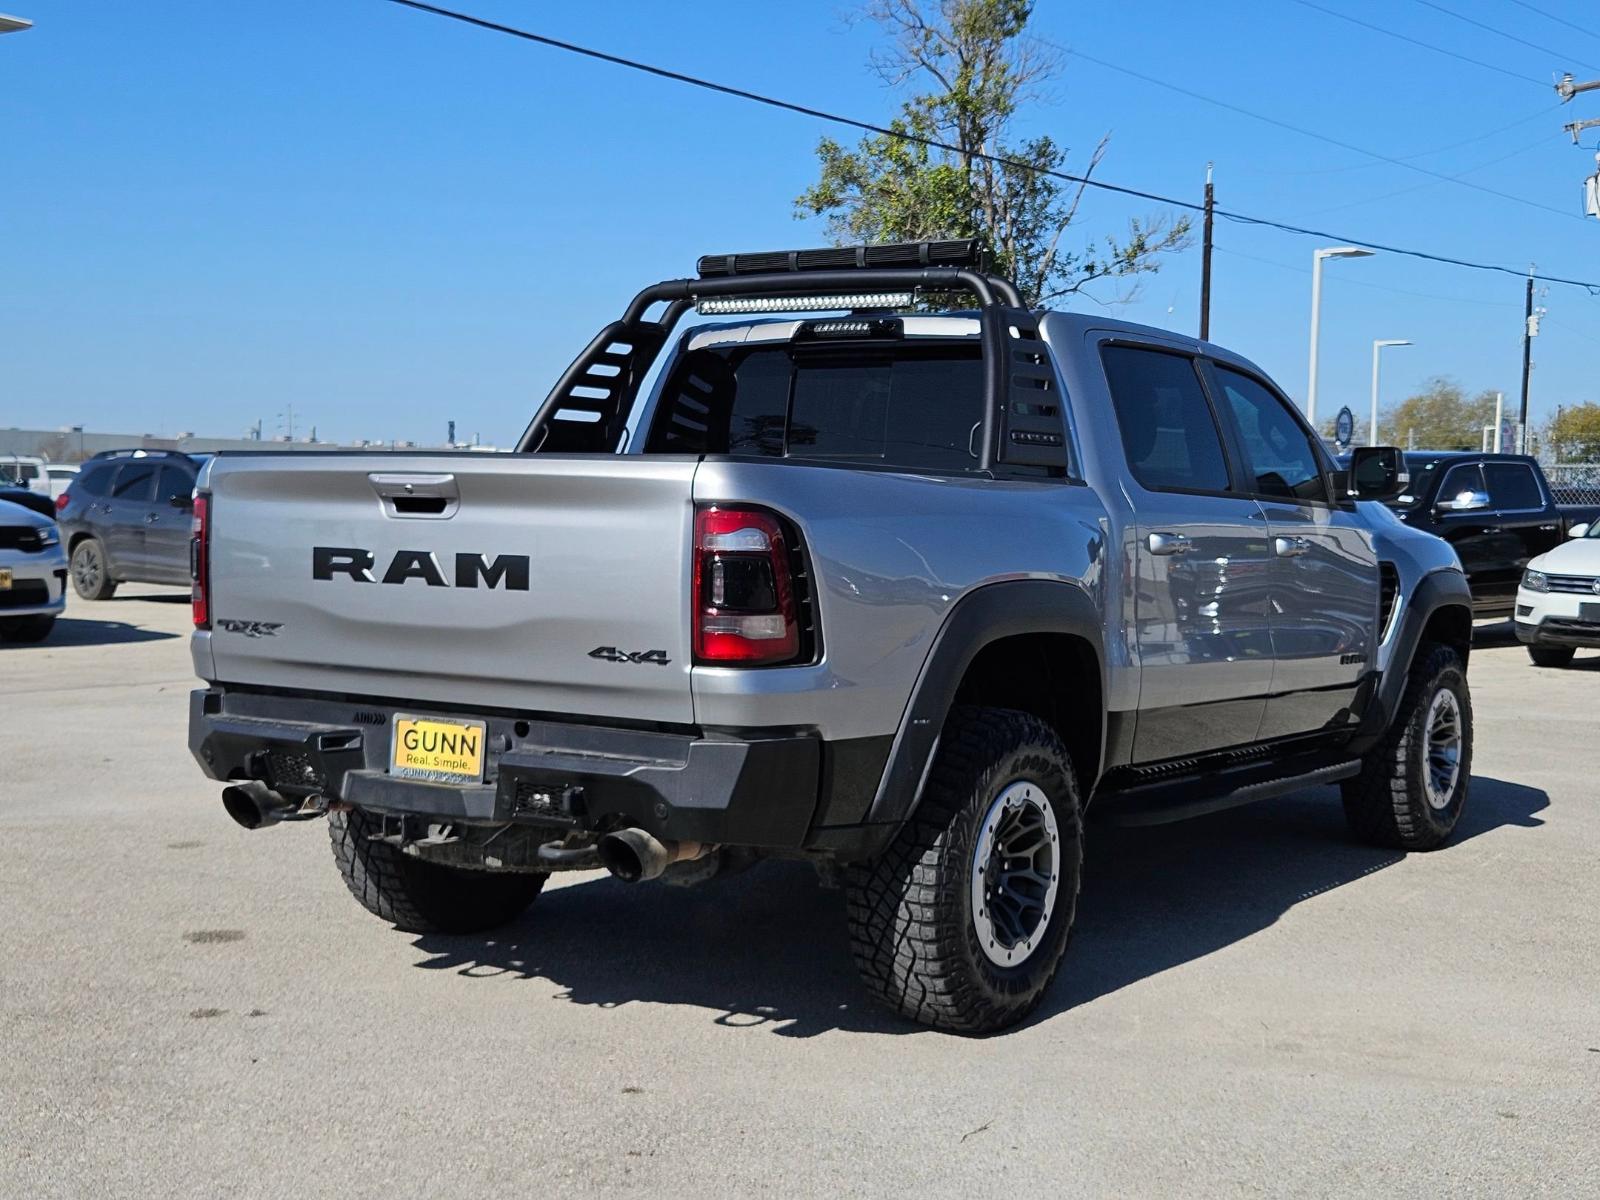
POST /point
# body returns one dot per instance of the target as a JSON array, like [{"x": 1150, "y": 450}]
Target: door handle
[
  {"x": 1169, "y": 543},
  {"x": 1291, "y": 547},
  {"x": 151, "y": 518}
]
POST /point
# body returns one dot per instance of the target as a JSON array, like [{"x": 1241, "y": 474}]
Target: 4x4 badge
[{"x": 612, "y": 654}]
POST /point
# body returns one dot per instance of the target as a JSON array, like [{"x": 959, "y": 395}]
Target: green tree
[
  {"x": 1574, "y": 434},
  {"x": 1440, "y": 417},
  {"x": 980, "y": 69}
]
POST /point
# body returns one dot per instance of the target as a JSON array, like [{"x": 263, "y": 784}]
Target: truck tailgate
[{"x": 471, "y": 580}]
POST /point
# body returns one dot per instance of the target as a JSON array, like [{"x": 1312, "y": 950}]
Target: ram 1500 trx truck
[{"x": 895, "y": 576}]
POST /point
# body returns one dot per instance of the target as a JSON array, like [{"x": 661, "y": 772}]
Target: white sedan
[{"x": 1558, "y": 603}]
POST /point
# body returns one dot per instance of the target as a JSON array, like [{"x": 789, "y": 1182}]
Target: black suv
[
  {"x": 126, "y": 518},
  {"x": 1495, "y": 509}
]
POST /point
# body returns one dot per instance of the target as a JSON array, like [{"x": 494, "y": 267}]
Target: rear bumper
[{"x": 750, "y": 788}]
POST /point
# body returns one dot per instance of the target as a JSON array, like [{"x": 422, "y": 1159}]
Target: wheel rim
[
  {"x": 86, "y": 568},
  {"x": 1442, "y": 761},
  {"x": 1015, "y": 871}
]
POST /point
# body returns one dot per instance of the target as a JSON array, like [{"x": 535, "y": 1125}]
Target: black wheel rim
[
  {"x": 1015, "y": 872},
  {"x": 1442, "y": 750},
  {"x": 87, "y": 570}
]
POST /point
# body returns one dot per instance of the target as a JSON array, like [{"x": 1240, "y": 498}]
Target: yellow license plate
[
  {"x": 444, "y": 751},
  {"x": 5, "y": 579}
]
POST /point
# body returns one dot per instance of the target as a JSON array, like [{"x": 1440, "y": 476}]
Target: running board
[{"x": 1162, "y": 803}]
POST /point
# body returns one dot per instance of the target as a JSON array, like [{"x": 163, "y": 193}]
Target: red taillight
[
  {"x": 63, "y": 500},
  {"x": 200, "y": 561},
  {"x": 744, "y": 611}
]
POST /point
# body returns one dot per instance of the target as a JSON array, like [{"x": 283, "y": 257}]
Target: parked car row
[{"x": 36, "y": 475}]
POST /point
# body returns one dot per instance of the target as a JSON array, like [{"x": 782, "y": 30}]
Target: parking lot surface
[{"x": 1253, "y": 1003}]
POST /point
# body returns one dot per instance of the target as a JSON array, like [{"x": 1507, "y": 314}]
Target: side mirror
[
  {"x": 1468, "y": 501},
  {"x": 1377, "y": 473},
  {"x": 1579, "y": 530}
]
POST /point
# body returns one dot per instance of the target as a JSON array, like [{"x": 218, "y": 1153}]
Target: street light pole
[
  {"x": 1316, "y": 314},
  {"x": 14, "y": 24},
  {"x": 1377, "y": 348}
]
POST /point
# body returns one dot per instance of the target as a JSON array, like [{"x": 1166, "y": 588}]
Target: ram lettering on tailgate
[{"x": 355, "y": 563}]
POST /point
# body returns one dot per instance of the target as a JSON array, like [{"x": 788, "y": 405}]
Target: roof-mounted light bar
[
  {"x": 712, "y": 306},
  {"x": 962, "y": 252}
]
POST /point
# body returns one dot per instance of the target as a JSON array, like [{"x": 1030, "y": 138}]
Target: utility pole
[
  {"x": 1205, "y": 261},
  {"x": 1529, "y": 327},
  {"x": 1569, "y": 87}
]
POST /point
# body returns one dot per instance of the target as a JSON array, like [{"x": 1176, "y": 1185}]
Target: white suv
[{"x": 1558, "y": 604}]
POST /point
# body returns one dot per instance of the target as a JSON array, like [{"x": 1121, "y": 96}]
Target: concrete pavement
[{"x": 1253, "y": 1003}]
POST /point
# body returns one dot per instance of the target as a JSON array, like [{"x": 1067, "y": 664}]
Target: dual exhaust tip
[{"x": 632, "y": 855}]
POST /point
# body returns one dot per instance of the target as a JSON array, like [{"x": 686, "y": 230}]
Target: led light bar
[
  {"x": 730, "y": 305},
  {"x": 960, "y": 252}
]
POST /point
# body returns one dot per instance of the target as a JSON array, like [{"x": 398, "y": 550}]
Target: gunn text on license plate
[{"x": 444, "y": 751}]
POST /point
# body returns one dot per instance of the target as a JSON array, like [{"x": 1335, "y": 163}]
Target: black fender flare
[
  {"x": 983, "y": 616},
  {"x": 1435, "y": 591}
]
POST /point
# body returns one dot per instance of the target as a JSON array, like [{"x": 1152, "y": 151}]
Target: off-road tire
[
  {"x": 91, "y": 570},
  {"x": 424, "y": 897},
  {"x": 27, "y": 629},
  {"x": 910, "y": 911},
  {"x": 1387, "y": 804},
  {"x": 1551, "y": 656}
]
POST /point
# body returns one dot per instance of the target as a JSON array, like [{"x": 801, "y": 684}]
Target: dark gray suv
[{"x": 126, "y": 518}]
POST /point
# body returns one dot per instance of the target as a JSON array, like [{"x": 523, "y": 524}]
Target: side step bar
[{"x": 1168, "y": 801}]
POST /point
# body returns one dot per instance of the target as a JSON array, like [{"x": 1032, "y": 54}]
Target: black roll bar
[{"x": 597, "y": 390}]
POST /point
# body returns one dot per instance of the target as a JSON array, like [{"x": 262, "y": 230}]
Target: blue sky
[{"x": 212, "y": 211}]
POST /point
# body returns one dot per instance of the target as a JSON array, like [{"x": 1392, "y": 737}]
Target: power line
[
  {"x": 1344, "y": 280},
  {"x": 1311, "y": 133},
  {"x": 1510, "y": 37},
  {"x": 1425, "y": 45},
  {"x": 868, "y": 127},
  {"x": 1471, "y": 141},
  {"x": 1550, "y": 16},
  {"x": 1417, "y": 187}
]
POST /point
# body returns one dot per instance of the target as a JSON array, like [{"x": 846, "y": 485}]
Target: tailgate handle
[{"x": 435, "y": 496}]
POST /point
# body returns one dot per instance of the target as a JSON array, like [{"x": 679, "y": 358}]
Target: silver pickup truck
[{"x": 879, "y": 570}]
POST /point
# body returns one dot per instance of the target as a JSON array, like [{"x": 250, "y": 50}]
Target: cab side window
[
  {"x": 1280, "y": 457},
  {"x": 1512, "y": 487},
  {"x": 1169, "y": 433},
  {"x": 1460, "y": 480}
]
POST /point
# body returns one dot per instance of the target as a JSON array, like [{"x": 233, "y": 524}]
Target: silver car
[{"x": 33, "y": 574}]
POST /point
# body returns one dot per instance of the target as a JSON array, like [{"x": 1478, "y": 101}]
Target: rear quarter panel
[{"x": 891, "y": 554}]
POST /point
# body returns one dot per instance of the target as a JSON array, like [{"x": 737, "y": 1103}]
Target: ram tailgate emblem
[{"x": 353, "y": 562}]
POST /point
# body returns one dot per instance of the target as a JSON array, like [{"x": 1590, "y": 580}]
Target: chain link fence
[{"x": 1575, "y": 483}]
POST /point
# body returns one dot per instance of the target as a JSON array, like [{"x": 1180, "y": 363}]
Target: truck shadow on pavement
[
  {"x": 72, "y": 631},
  {"x": 768, "y": 948}
]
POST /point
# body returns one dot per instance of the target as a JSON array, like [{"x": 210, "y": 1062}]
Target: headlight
[
  {"x": 1535, "y": 581},
  {"x": 49, "y": 537}
]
